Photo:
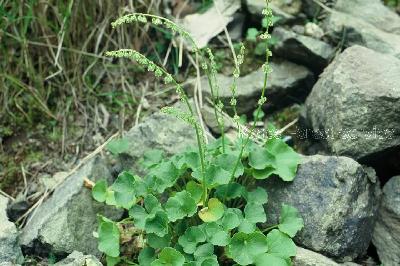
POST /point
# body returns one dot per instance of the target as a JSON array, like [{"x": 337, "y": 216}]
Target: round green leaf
[
  {"x": 161, "y": 177},
  {"x": 124, "y": 190},
  {"x": 195, "y": 190},
  {"x": 146, "y": 256},
  {"x": 169, "y": 256},
  {"x": 204, "y": 250},
  {"x": 157, "y": 242},
  {"x": 213, "y": 212},
  {"x": 108, "y": 241},
  {"x": 228, "y": 161},
  {"x": 216, "y": 235},
  {"x": 180, "y": 206},
  {"x": 286, "y": 159},
  {"x": 267, "y": 259},
  {"x": 280, "y": 244},
  {"x": 151, "y": 203},
  {"x": 216, "y": 175},
  {"x": 99, "y": 191},
  {"x": 230, "y": 191},
  {"x": 189, "y": 240},
  {"x": 157, "y": 223},
  {"x": 255, "y": 213},
  {"x": 111, "y": 261},
  {"x": 263, "y": 174},
  {"x": 247, "y": 227},
  {"x": 257, "y": 196},
  {"x": 139, "y": 215},
  {"x": 290, "y": 221},
  {"x": 260, "y": 158},
  {"x": 232, "y": 219},
  {"x": 244, "y": 248}
]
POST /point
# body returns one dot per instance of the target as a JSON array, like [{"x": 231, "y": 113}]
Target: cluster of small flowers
[
  {"x": 155, "y": 20},
  {"x": 187, "y": 117},
  {"x": 213, "y": 64},
  {"x": 142, "y": 60},
  {"x": 267, "y": 68},
  {"x": 262, "y": 100},
  {"x": 150, "y": 65},
  {"x": 236, "y": 73}
]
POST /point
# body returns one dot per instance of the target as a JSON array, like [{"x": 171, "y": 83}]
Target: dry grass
[{"x": 57, "y": 90}]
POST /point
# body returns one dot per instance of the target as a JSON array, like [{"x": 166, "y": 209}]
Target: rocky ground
[{"x": 343, "y": 74}]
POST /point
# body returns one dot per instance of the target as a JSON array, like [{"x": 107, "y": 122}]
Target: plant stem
[
  {"x": 270, "y": 228},
  {"x": 267, "y": 55}
]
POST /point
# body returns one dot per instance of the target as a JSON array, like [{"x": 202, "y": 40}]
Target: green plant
[
  {"x": 202, "y": 206},
  {"x": 253, "y": 33}
]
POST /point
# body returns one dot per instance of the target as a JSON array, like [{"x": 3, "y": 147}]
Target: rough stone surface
[
  {"x": 205, "y": 26},
  {"x": 67, "y": 219},
  {"x": 338, "y": 200},
  {"x": 304, "y": 50},
  {"x": 350, "y": 30},
  {"x": 305, "y": 257},
  {"x": 77, "y": 258},
  {"x": 387, "y": 229},
  {"x": 10, "y": 252},
  {"x": 286, "y": 11},
  {"x": 158, "y": 131},
  {"x": 289, "y": 83},
  {"x": 373, "y": 12},
  {"x": 355, "y": 104},
  {"x": 313, "y": 30}
]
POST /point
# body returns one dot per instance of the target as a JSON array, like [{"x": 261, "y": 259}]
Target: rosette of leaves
[{"x": 176, "y": 226}]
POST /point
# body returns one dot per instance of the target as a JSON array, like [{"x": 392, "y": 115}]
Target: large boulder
[
  {"x": 289, "y": 83},
  {"x": 350, "y": 30},
  {"x": 77, "y": 258},
  {"x": 304, "y": 50},
  {"x": 373, "y": 12},
  {"x": 158, "y": 131},
  {"x": 338, "y": 200},
  {"x": 67, "y": 219},
  {"x": 10, "y": 252},
  {"x": 354, "y": 106},
  {"x": 387, "y": 229}
]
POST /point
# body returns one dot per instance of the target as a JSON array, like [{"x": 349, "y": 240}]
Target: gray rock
[
  {"x": 77, "y": 258},
  {"x": 305, "y": 257},
  {"x": 312, "y": 9},
  {"x": 67, "y": 219},
  {"x": 350, "y": 30},
  {"x": 387, "y": 229},
  {"x": 205, "y": 26},
  {"x": 289, "y": 83},
  {"x": 313, "y": 30},
  {"x": 355, "y": 104},
  {"x": 304, "y": 50},
  {"x": 210, "y": 120},
  {"x": 158, "y": 131},
  {"x": 373, "y": 12},
  {"x": 338, "y": 200},
  {"x": 286, "y": 11},
  {"x": 10, "y": 252}
]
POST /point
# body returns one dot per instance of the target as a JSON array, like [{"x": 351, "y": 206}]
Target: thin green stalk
[
  {"x": 214, "y": 99},
  {"x": 262, "y": 97},
  {"x": 270, "y": 228}
]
